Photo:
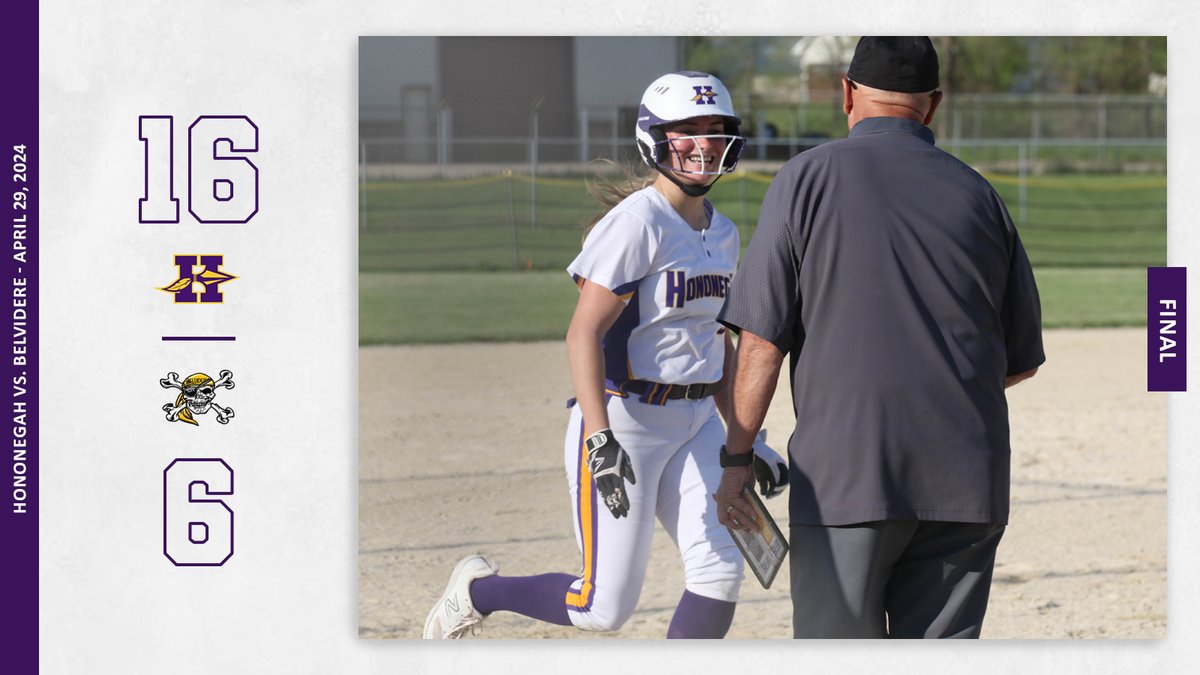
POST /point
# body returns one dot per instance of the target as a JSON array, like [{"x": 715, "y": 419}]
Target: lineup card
[
  {"x": 161, "y": 155},
  {"x": 765, "y": 549}
]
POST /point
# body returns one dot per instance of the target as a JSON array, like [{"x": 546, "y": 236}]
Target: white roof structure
[{"x": 824, "y": 50}]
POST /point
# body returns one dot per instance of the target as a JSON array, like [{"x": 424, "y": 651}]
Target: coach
[{"x": 892, "y": 274}]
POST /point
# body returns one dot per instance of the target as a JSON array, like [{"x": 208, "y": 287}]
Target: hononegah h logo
[
  {"x": 704, "y": 95},
  {"x": 204, "y": 270}
]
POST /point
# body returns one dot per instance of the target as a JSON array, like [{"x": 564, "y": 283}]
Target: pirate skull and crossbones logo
[{"x": 196, "y": 394}]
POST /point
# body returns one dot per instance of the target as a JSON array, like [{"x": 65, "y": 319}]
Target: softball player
[{"x": 648, "y": 366}]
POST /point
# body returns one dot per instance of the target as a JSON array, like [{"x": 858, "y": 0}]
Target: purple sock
[
  {"x": 699, "y": 617},
  {"x": 542, "y": 597}
]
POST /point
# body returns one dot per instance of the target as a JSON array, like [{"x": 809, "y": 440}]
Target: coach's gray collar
[{"x": 880, "y": 125}]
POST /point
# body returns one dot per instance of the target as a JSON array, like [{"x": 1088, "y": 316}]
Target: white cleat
[{"x": 454, "y": 614}]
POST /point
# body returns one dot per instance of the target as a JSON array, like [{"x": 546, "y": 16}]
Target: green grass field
[
  {"x": 439, "y": 307},
  {"x": 483, "y": 259},
  {"x": 434, "y": 307}
]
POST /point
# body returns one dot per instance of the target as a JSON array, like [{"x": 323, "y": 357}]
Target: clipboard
[{"x": 764, "y": 550}]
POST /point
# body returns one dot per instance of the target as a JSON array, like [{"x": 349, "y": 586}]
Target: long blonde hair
[{"x": 609, "y": 191}]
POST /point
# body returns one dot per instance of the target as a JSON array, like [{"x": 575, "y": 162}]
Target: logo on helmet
[{"x": 704, "y": 95}]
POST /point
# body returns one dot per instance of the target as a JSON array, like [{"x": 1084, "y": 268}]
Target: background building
[{"x": 485, "y": 97}]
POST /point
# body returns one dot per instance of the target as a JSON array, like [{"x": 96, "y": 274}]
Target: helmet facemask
[{"x": 670, "y": 156}]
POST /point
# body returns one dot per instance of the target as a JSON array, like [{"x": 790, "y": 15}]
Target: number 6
[
  {"x": 222, "y": 186},
  {"x": 197, "y": 527}
]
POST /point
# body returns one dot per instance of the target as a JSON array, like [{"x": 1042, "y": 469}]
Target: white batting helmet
[{"x": 680, "y": 96}]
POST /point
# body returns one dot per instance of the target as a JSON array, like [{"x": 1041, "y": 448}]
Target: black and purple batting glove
[{"x": 610, "y": 467}]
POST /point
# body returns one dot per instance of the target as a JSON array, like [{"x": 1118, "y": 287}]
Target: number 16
[{"x": 222, "y": 185}]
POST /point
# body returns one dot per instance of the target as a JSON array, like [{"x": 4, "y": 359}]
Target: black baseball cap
[{"x": 904, "y": 64}]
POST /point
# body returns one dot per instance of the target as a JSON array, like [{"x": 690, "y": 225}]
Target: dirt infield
[{"x": 460, "y": 451}]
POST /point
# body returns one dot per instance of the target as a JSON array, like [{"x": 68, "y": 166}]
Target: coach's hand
[
  {"x": 733, "y": 511},
  {"x": 610, "y": 469},
  {"x": 770, "y": 470}
]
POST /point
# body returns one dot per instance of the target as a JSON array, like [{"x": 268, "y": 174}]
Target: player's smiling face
[{"x": 696, "y": 148}]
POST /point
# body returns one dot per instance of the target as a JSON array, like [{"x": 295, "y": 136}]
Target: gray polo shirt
[{"x": 893, "y": 275}]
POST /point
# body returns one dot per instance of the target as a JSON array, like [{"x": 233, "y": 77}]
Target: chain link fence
[
  {"x": 518, "y": 217},
  {"x": 1084, "y": 178}
]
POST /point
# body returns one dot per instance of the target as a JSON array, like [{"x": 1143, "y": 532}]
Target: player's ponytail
[{"x": 609, "y": 190}]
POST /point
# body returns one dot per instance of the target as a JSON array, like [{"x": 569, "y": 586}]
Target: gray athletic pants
[{"x": 892, "y": 578}]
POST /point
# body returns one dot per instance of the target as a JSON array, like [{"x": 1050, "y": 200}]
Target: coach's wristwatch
[{"x": 740, "y": 459}]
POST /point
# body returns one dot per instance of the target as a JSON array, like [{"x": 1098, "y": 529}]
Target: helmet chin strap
[{"x": 689, "y": 189}]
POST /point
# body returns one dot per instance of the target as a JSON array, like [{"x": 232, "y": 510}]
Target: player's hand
[
  {"x": 610, "y": 467},
  {"x": 770, "y": 470}
]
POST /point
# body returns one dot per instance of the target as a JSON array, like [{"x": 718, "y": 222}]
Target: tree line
[{"x": 1097, "y": 65}]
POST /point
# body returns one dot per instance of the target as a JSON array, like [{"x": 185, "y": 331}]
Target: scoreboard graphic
[{"x": 183, "y": 284}]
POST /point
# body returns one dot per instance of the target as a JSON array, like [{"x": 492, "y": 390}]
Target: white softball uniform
[{"x": 673, "y": 280}]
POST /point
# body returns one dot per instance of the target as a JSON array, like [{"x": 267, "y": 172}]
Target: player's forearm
[
  {"x": 586, "y": 359},
  {"x": 755, "y": 375},
  {"x": 595, "y": 313}
]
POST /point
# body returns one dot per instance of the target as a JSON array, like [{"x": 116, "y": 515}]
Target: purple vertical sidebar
[
  {"x": 1166, "y": 329},
  {"x": 19, "y": 276}
]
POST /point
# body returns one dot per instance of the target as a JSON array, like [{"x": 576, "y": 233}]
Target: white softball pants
[{"x": 673, "y": 448}]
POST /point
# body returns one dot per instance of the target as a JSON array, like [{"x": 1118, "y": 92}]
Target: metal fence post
[
  {"x": 443, "y": 139},
  {"x": 1035, "y": 132},
  {"x": 616, "y": 138},
  {"x": 742, "y": 177},
  {"x": 798, "y": 126},
  {"x": 512, "y": 220},
  {"x": 760, "y": 125},
  {"x": 978, "y": 120},
  {"x": 583, "y": 136},
  {"x": 533, "y": 160},
  {"x": 1022, "y": 177},
  {"x": 362, "y": 182},
  {"x": 957, "y": 132},
  {"x": 533, "y": 163}
]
